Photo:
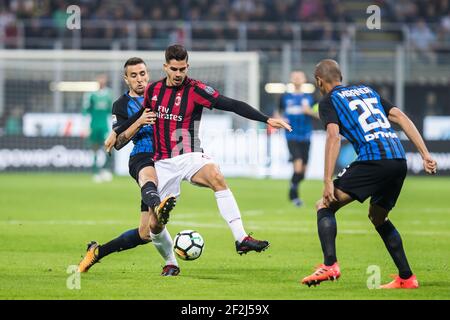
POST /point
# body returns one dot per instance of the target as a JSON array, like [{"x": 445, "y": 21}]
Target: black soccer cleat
[
  {"x": 170, "y": 270},
  {"x": 162, "y": 210},
  {"x": 251, "y": 244}
]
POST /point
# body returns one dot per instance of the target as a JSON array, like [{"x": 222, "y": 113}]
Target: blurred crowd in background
[
  {"x": 24, "y": 22},
  {"x": 407, "y": 11},
  {"x": 313, "y": 29}
]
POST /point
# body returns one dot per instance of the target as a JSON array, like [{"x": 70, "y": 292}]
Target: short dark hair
[
  {"x": 177, "y": 52},
  {"x": 132, "y": 62}
]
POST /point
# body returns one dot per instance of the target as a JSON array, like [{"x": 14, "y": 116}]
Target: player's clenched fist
[
  {"x": 110, "y": 141},
  {"x": 147, "y": 117},
  {"x": 429, "y": 165}
]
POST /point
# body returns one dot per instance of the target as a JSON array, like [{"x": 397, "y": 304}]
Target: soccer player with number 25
[{"x": 359, "y": 114}]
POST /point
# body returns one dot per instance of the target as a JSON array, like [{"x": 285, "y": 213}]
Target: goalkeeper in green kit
[{"x": 98, "y": 105}]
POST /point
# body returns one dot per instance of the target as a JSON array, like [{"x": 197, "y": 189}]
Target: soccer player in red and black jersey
[
  {"x": 141, "y": 168},
  {"x": 178, "y": 102}
]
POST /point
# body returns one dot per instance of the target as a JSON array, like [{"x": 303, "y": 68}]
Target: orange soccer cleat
[
  {"x": 90, "y": 258},
  {"x": 399, "y": 283},
  {"x": 162, "y": 210},
  {"x": 323, "y": 273}
]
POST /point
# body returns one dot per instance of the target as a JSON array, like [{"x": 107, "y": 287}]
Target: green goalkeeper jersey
[{"x": 98, "y": 105}]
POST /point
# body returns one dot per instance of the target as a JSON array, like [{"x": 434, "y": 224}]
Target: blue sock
[
  {"x": 127, "y": 240},
  {"x": 394, "y": 244},
  {"x": 327, "y": 227}
]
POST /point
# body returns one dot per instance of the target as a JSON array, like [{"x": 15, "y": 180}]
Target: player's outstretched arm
[
  {"x": 332, "y": 147},
  {"x": 244, "y": 110},
  {"x": 398, "y": 117}
]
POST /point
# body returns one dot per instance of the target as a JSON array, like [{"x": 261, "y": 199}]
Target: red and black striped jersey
[{"x": 179, "y": 110}]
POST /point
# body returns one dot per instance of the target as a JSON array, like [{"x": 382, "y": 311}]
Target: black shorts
[
  {"x": 298, "y": 150},
  {"x": 136, "y": 164},
  {"x": 382, "y": 180}
]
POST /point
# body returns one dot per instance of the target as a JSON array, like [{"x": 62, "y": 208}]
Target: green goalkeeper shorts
[{"x": 98, "y": 136}]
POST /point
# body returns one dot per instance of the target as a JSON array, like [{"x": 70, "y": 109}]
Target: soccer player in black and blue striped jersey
[
  {"x": 141, "y": 168},
  {"x": 297, "y": 108},
  {"x": 359, "y": 114}
]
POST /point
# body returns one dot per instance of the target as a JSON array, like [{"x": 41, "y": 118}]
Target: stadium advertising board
[
  {"x": 72, "y": 154},
  {"x": 439, "y": 149},
  {"x": 55, "y": 125},
  {"x": 45, "y": 154}
]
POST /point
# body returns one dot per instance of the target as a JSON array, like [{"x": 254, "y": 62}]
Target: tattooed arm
[
  {"x": 120, "y": 140},
  {"x": 147, "y": 117}
]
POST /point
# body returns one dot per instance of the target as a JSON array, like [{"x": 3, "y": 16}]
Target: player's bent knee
[
  {"x": 377, "y": 215},
  {"x": 147, "y": 174},
  {"x": 157, "y": 229},
  {"x": 155, "y": 226},
  {"x": 377, "y": 220},
  {"x": 144, "y": 233},
  {"x": 320, "y": 205},
  {"x": 217, "y": 180}
]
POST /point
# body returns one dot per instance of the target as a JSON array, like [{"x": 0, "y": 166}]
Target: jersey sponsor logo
[
  {"x": 294, "y": 110},
  {"x": 163, "y": 113},
  {"x": 209, "y": 90},
  {"x": 380, "y": 134}
]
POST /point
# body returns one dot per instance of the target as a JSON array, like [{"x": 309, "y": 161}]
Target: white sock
[
  {"x": 230, "y": 212},
  {"x": 164, "y": 243}
]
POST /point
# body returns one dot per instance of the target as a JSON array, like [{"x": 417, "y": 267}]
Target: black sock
[
  {"x": 150, "y": 196},
  {"x": 127, "y": 240},
  {"x": 326, "y": 225},
  {"x": 394, "y": 244},
  {"x": 295, "y": 181}
]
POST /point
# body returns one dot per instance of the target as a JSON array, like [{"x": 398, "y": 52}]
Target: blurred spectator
[
  {"x": 443, "y": 39},
  {"x": 328, "y": 41},
  {"x": 6, "y": 17},
  {"x": 59, "y": 16},
  {"x": 8, "y": 30},
  {"x": 431, "y": 106},
  {"x": 422, "y": 41},
  {"x": 310, "y": 10},
  {"x": 48, "y": 18}
]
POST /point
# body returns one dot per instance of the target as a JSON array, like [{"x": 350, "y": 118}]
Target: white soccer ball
[{"x": 188, "y": 244}]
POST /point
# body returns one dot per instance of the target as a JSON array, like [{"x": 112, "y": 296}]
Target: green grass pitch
[{"x": 46, "y": 221}]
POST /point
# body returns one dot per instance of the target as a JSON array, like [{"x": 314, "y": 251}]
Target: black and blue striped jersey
[
  {"x": 125, "y": 107},
  {"x": 291, "y": 106},
  {"x": 362, "y": 116}
]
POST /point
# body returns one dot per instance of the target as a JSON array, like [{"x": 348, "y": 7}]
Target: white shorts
[{"x": 172, "y": 171}]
